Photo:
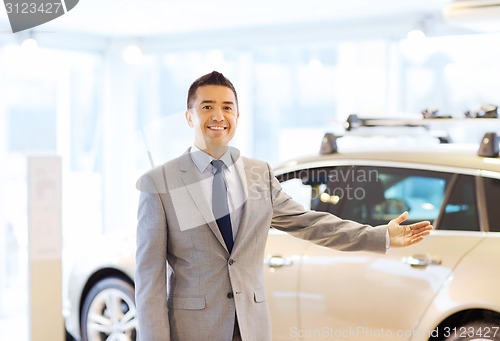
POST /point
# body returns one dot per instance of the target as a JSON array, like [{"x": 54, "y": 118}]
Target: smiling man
[
  {"x": 203, "y": 221},
  {"x": 213, "y": 113}
]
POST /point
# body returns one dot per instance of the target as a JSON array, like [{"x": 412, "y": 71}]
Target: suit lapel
[
  {"x": 244, "y": 176},
  {"x": 194, "y": 183}
]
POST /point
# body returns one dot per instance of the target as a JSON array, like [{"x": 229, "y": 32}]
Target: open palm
[{"x": 406, "y": 235}]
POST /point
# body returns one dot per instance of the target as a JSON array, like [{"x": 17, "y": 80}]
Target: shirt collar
[{"x": 202, "y": 159}]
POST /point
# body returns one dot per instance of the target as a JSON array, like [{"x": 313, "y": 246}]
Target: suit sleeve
[
  {"x": 151, "y": 265},
  {"x": 323, "y": 228}
]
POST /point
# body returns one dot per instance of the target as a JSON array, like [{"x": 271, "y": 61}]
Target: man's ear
[{"x": 189, "y": 119}]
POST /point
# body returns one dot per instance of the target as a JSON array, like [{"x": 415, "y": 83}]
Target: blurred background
[{"x": 107, "y": 82}]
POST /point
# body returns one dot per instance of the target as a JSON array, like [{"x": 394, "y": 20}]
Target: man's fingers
[
  {"x": 419, "y": 224},
  {"x": 422, "y": 233},
  {"x": 419, "y": 237},
  {"x": 402, "y": 217},
  {"x": 416, "y": 240},
  {"x": 421, "y": 229}
]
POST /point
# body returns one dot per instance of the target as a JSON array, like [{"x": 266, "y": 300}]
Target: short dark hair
[{"x": 212, "y": 78}]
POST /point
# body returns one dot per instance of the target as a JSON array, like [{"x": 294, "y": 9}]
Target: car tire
[
  {"x": 477, "y": 330},
  {"x": 68, "y": 336},
  {"x": 109, "y": 312}
]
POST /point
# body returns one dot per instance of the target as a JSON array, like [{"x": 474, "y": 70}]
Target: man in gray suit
[{"x": 213, "y": 262}]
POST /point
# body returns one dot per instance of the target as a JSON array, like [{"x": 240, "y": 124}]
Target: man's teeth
[{"x": 217, "y": 128}]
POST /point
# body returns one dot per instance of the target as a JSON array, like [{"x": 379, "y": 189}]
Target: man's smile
[{"x": 219, "y": 128}]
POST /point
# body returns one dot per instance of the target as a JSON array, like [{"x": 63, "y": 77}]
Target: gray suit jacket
[{"x": 208, "y": 287}]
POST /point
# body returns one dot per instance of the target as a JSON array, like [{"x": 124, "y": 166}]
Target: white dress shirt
[{"x": 231, "y": 174}]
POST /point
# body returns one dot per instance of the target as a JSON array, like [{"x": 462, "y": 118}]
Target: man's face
[{"x": 214, "y": 116}]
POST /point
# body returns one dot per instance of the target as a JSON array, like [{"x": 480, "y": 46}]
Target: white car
[{"x": 445, "y": 288}]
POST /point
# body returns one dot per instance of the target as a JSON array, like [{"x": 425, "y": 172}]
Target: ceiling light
[
  {"x": 415, "y": 35},
  {"x": 132, "y": 54},
  {"x": 29, "y": 44}
]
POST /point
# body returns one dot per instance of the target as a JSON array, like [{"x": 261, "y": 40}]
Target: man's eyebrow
[{"x": 212, "y": 101}]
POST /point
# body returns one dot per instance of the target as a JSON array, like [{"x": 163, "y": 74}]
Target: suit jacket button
[
  {"x": 231, "y": 261},
  {"x": 230, "y": 295}
]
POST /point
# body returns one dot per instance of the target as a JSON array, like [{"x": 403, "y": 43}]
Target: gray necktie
[{"x": 219, "y": 205}]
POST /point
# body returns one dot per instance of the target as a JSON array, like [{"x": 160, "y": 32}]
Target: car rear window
[
  {"x": 460, "y": 212},
  {"x": 492, "y": 191}
]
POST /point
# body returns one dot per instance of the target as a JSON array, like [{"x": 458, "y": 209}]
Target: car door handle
[
  {"x": 421, "y": 261},
  {"x": 277, "y": 262}
]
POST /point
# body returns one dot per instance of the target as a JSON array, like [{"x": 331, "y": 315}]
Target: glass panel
[
  {"x": 309, "y": 187},
  {"x": 380, "y": 194},
  {"x": 422, "y": 195},
  {"x": 461, "y": 211},
  {"x": 492, "y": 191},
  {"x": 298, "y": 191},
  {"x": 369, "y": 195}
]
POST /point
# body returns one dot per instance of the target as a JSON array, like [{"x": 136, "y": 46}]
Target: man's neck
[{"x": 214, "y": 151}]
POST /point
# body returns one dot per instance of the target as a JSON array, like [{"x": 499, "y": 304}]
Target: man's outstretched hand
[{"x": 406, "y": 235}]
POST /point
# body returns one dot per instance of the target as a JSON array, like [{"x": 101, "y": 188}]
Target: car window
[
  {"x": 460, "y": 212},
  {"x": 384, "y": 193},
  {"x": 369, "y": 195},
  {"x": 310, "y": 187},
  {"x": 299, "y": 191},
  {"x": 492, "y": 191}
]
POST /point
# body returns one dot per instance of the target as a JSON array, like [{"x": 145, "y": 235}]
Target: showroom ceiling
[{"x": 122, "y": 18}]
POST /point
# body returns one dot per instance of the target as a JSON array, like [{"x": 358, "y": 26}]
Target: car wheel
[
  {"x": 68, "y": 336},
  {"x": 109, "y": 312},
  {"x": 474, "y": 331}
]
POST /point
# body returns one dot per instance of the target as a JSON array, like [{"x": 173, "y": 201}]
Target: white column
[
  {"x": 45, "y": 243},
  {"x": 118, "y": 123}
]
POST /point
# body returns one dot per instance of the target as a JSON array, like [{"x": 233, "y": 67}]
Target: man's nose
[{"x": 217, "y": 115}]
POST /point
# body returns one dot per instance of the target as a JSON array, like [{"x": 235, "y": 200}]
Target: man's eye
[
  {"x": 207, "y": 107},
  {"x": 228, "y": 108}
]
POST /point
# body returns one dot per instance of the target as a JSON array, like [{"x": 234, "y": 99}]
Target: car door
[
  {"x": 365, "y": 295},
  {"x": 281, "y": 270}
]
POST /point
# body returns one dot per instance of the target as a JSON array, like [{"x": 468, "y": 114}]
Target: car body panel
[
  {"x": 282, "y": 281},
  {"x": 341, "y": 302},
  {"x": 354, "y": 285},
  {"x": 474, "y": 285}
]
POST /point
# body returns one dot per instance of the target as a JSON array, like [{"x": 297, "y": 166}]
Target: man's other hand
[{"x": 406, "y": 235}]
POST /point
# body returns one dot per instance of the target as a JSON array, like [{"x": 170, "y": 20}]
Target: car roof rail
[
  {"x": 354, "y": 121},
  {"x": 489, "y": 145},
  {"x": 429, "y": 116},
  {"x": 329, "y": 144}
]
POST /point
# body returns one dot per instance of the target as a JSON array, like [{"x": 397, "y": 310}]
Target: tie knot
[{"x": 218, "y": 165}]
